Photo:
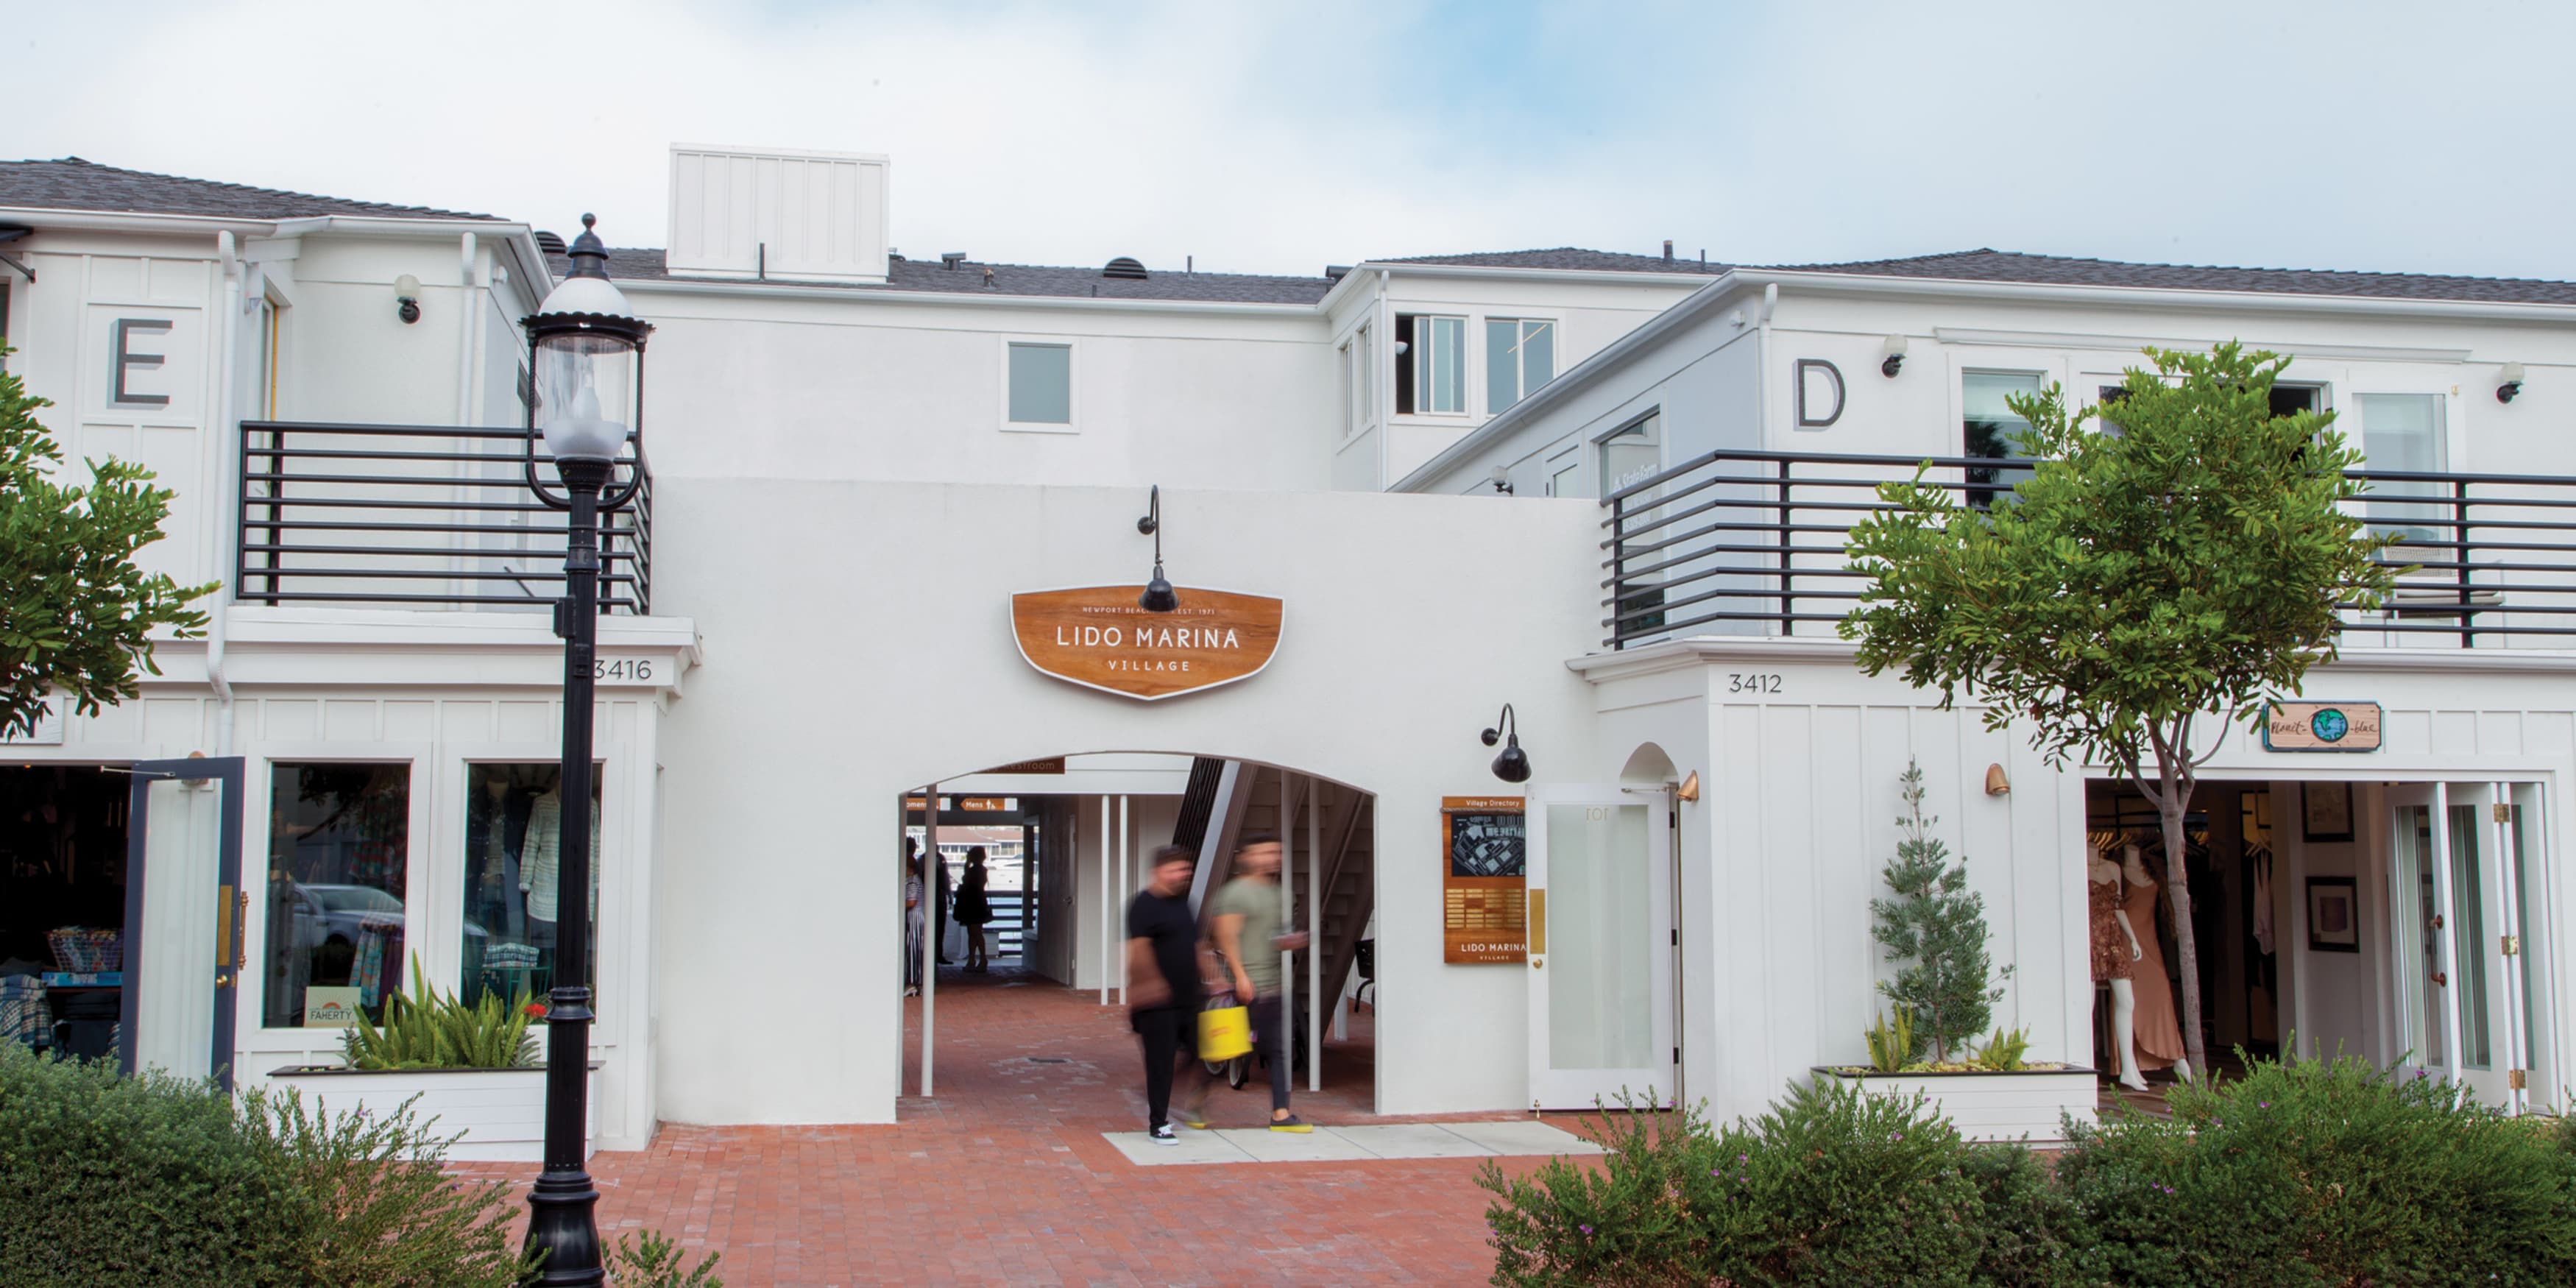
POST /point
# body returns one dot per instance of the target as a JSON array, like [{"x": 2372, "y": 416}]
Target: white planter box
[
  {"x": 501, "y": 1112},
  {"x": 2029, "y": 1105}
]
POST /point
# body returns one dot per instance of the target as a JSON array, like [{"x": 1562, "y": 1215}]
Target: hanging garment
[
  {"x": 379, "y": 966},
  {"x": 541, "y": 859},
  {"x": 2110, "y": 947},
  {"x": 2158, "y": 1031},
  {"x": 2263, "y": 903}
]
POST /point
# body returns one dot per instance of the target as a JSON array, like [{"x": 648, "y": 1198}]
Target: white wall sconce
[
  {"x": 1501, "y": 478},
  {"x": 1996, "y": 783},
  {"x": 407, "y": 298},
  {"x": 2512, "y": 382},
  {"x": 1892, "y": 356}
]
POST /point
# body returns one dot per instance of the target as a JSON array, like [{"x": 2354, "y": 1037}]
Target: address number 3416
[{"x": 624, "y": 668}]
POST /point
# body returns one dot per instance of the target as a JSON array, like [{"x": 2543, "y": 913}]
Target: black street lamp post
[{"x": 586, "y": 365}]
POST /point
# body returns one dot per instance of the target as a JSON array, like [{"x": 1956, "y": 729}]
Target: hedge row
[{"x": 2300, "y": 1173}]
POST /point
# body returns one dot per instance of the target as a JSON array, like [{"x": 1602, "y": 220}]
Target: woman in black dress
[{"x": 973, "y": 909}]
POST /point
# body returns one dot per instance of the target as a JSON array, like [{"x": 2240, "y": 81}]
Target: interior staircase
[{"x": 1232, "y": 799}]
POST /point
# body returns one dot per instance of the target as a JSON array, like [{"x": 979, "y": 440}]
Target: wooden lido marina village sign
[{"x": 1100, "y": 638}]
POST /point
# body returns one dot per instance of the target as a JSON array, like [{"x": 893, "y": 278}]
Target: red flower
[{"x": 535, "y": 1009}]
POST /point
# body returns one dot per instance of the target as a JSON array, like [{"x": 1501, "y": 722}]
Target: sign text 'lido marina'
[{"x": 1100, "y": 638}]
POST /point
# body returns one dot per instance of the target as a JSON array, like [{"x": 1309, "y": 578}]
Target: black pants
[{"x": 1169, "y": 1034}]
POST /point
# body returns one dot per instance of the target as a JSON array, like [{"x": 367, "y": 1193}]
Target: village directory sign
[
  {"x": 1100, "y": 638},
  {"x": 1484, "y": 880}
]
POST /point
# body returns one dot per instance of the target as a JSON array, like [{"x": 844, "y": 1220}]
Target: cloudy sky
[{"x": 1277, "y": 138}]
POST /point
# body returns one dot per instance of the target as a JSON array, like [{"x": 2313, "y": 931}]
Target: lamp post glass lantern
[{"x": 586, "y": 365}]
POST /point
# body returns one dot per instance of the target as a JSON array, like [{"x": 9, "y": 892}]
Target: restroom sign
[
  {"x": 2322, "y": 726},
  {"x": 1100, "y": 638}
]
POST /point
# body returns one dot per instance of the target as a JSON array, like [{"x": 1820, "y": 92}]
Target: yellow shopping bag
[{"x": 1224, "y": 1033}]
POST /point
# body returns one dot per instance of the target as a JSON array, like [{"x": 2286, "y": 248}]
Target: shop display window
[
  {"x": 513, "y": 817},
  {"x": 339, "y": 844}
]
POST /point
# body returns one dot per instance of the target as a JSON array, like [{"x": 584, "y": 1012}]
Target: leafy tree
[
  {"x": 2189, "y": 562},
  {"x": 1937, "y": 925},
  {"x": 76, "y": 614}
]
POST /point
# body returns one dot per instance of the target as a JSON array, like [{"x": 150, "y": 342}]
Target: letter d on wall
[{"x": 1820, "y": 393}]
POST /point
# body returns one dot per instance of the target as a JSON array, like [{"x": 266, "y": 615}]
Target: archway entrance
[{"x": 1066, "y": 843}]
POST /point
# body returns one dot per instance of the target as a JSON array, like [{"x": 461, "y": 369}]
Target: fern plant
[
  {"x": 1891, "y": 1042},
  {"x": 429, "y": 1031},
  {"x": 2005, "y": 1052}
]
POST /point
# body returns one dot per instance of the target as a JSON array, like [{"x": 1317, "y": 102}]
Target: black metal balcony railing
[
  {"x": 417, "y": 516},
  {"x": 1752, "y": 543}
]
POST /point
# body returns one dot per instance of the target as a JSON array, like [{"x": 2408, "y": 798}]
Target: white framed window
[
  {"x": 1037, "y": 385},
  {"x": 2406, "y": 433},
  {"x": 1520, "y": 355},
  {"x": 1431, "y": 371},
  {"x": 1990, "y": 428}
]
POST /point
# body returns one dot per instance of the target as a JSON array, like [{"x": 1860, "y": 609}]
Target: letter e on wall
[{"x": 123, "y": 360}]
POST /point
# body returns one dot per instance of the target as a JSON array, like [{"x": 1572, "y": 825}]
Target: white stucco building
[{"x": 858, "y": 458}]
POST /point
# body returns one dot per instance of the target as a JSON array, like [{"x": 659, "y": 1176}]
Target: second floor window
[
  {"x": 1431, "y": 374},
  {"x": 1520, "y": 355},
  {"x": 1990, "y": 428},
  {"x": 1041, "y": 384},
  {"x": 2405, "y": 433}
]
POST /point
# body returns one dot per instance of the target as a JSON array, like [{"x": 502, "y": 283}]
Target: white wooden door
[
  {"x": 1600, "y": 926},
  {"x": 2419, "y": 925}
]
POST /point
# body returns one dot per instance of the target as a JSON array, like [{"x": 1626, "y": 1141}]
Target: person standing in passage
[
  {"x": 914, "y": 918},
  {"x": 939, "y": 862},
  {"x": 1165, "y": 968},
  {"x": 1245, "y": 930},
  {"x": 973, "y": 909}
]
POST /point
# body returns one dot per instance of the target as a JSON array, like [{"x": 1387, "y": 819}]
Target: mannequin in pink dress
[{"x": 2158, "y": 1031}]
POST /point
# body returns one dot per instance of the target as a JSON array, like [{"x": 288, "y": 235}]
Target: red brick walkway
[{"x": 1004, "y": 1179}]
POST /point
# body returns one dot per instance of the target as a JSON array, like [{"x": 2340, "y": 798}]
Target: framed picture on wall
[
  {"x": 2326, "y": 813},
  {"x": 2334, "y": 920}
]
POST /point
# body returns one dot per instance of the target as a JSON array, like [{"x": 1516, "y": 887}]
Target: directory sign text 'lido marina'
[{"x": 1100, "y": 638}]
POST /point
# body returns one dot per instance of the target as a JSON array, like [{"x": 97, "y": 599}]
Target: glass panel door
[
  {"x": 2414, "y": 929},
  {"x": 2526, "y": 974},
  {"x": 1600, "y": 909},
  {"x": 183, "y": 915},
  {"x": 2491, "y": 935}
]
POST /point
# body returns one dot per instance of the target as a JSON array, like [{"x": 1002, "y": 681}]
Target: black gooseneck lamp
[
  {"x": 1513, "y": 765},
  {"x": 1159, "y": 596},
  {"x": 586, "y": 378}
]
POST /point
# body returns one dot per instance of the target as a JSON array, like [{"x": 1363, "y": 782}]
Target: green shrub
[
  {"x": 2326, "y": 1172},
  {"x": 2032, "y": 1235},
  {"x": 388, "y": 1213},
  {"x": 649, "y": 1260},
  {"x": 108, "y": 1181},
  {"x": 1829, "y": 1187},
  {"x": 429, "y": 1031}
]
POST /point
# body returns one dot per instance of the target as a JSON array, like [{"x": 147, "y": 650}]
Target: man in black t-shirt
[{"x": 1164, "y": 973}]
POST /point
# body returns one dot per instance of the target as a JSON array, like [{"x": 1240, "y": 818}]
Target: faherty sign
[{"x": 1098, "y": 637}]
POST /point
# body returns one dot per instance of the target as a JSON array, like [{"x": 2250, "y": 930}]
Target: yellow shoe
[{"x": 1291, "y": 1123}]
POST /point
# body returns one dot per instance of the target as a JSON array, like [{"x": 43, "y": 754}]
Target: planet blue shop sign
[{"x": 2322, "y": 726}]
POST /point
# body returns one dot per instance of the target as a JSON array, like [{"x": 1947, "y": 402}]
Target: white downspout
[
  {"x": 469, "y": 317},
  {"x": 220, "y": 541},
  {"x": 1762, "y": 355}
]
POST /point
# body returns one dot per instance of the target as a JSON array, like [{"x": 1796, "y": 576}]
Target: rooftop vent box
[{"x": 775, "y": 214}]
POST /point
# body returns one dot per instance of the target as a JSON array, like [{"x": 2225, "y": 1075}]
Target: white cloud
[{"x": 1275, "y": 140}]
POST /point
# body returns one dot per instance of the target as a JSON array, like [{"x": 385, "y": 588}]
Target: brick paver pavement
[{"x": 1004, "y": 1178}]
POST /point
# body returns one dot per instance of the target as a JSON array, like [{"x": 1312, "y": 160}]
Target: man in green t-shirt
[{"x": 1243, "y": 924}]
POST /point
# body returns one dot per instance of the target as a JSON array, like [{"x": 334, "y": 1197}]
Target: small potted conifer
[{"x": 1934, "y": 1038}]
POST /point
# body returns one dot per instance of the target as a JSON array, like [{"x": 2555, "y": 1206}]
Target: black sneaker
[{"x": 1162, "y": 1135}]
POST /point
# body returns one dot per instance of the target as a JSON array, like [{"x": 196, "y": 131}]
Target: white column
[
  {"x": 1314, "y": 936},
  {"x": 929, "y": 925},
  {"x": 2447, "y": 961},
  {"x": 1108, "y": 906},
  {"x": 1126, "y": 886}
]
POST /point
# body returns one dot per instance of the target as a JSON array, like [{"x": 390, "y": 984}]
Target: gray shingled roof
[
  {"x": 1565, "y": 257},
  {"x": 1016, "y": 279},
  {"x": 74, "y": 184},
  {"x": 2007, "y": 266}
]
